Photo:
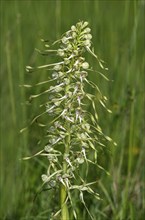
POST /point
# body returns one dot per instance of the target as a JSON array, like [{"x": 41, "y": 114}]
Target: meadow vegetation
[{"x": 118, "y": 37}]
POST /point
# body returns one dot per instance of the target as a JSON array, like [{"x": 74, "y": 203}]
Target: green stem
[
  {"x": 64, "y": 208},
  {"x": 63, "y": 189}
]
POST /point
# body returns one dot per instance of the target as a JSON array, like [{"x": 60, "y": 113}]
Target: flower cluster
[
  {"x": 66, "y": 101},
  {"x": 74, "y": 132}
]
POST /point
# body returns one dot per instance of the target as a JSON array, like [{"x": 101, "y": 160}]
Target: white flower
[
  {"x": 69, "y": 46},
  {"x": 60, "y": 52},
  {"x": 85, "y": 65},
  {"x": 88, "y": 36},
  {"x": 80, "y": 160},
  {"x": 73, "y": 28},
  {"x": 58, "y": 89},
  {"x": 76, "y": 52},
  {"x": 45, "y": 178},
  {"x": 66, "y": 61},
  {"x": 66, "y": 81},
  {"x": 61, "y": 74},
  {"x": 83, "y": 136},
  {"x": 74, "y": 34},
  {"x": 54, "y": 75},
  {"x": 57, "y": 67},
  {"x": 85, "y": 24},
  {"x": 87, "y": 43},
  {"x": 57, "y": 103},
  {"x": 64, "y": 40},
  {"x": 87, "y": 30},
  {"x": 86, "y": 127},
  {"x": 48, "y": 148}
]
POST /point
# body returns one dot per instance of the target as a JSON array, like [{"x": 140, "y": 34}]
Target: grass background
[{"x": 118, "y": 38}]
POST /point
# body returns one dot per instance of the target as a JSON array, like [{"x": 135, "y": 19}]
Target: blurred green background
[{"x": 118, "y": 38}]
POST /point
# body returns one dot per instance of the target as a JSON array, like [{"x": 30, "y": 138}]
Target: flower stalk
[{"x": 63, "y": 188}]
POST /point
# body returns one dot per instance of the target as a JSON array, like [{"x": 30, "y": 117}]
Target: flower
[
  {"x": 73, "y": 28},
  {"x": 57, "y": 67},
  {"x": 87, "y": 30},
  {"x": 60, "y": 52},
  {"x": 85, "y": 65}
]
